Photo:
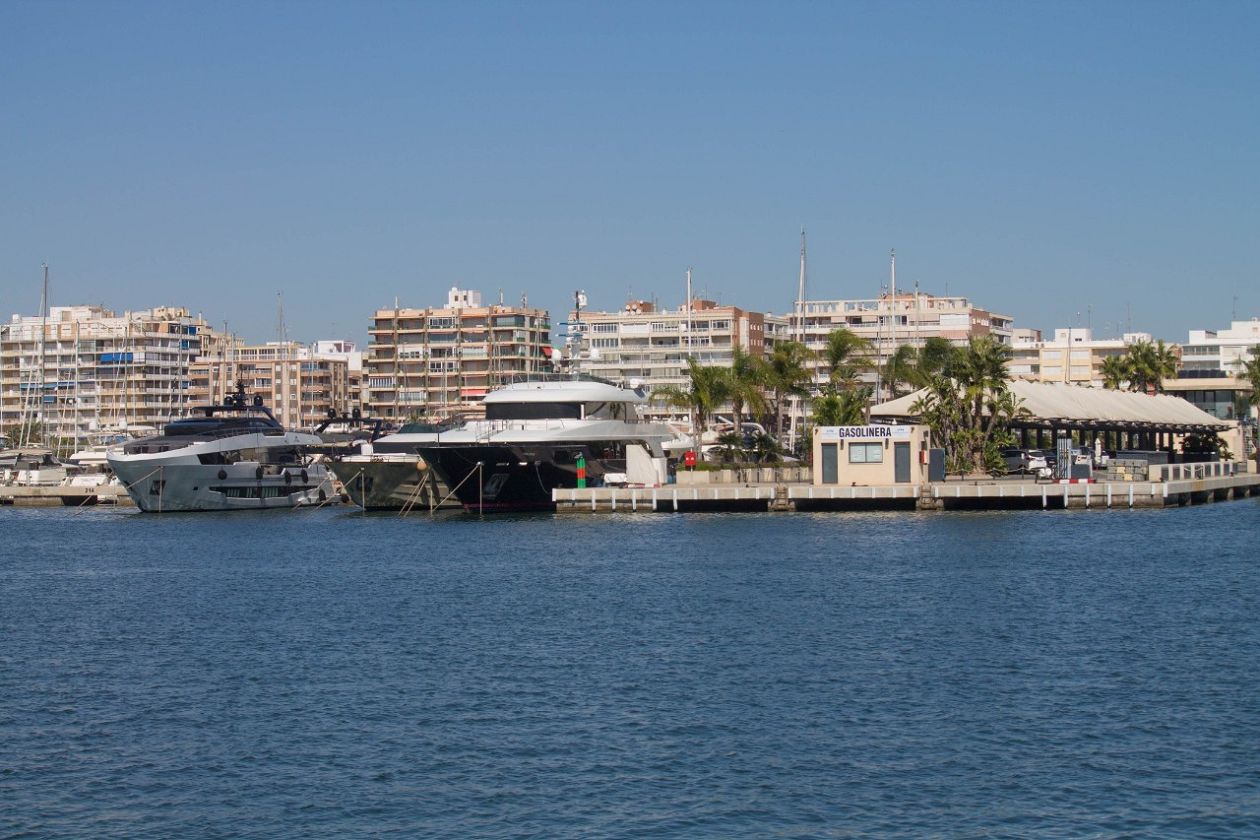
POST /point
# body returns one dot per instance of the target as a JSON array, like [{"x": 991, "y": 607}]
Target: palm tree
[
  {"x": 1149, "y": 364},
  {"x": 1115, "y": 371},
  {"x": 1166, "y": 362},
  {"x": 969, "y": 404},
  {"x": 766, "y": 449},
  {"x": 847, "y": 355},
  {"x": 710, "y": 387},
  {"x": 732, "y": 446},
  {"x": 786, "y": 377},
  {"x": 936, "y": 355},
  {"x": 981, "y": 369},
  {"x": 746, "y": 376},
  {"x": 1251, "y": 372},
  {"x": 900, "y": 367},
  {"x": 846, "y": 408}
]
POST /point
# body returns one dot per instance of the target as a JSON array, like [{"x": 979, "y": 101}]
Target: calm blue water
[{"x": 330, "y": 674}]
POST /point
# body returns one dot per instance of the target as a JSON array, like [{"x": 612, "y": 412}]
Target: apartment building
[
  {"x": 298, "y": 384},
  {"x": 890, "y": 321},
  {"x": 84, "y": 370},
  {"x": 1073, "y": 356},
  {"x": 1211, "y": 372},
  {"x": 1212, "y": 353},
  {"x": 650, "y": 345},
  {"x": 342, "y": 349},
  {"x": 438, "y": 362}
]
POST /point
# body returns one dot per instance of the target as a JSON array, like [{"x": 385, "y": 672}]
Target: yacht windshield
[
  {"x": 216, "y": 426},
  {"x": 534, "y": 411}
]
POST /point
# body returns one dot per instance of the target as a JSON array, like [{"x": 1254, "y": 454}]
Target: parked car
[{"x": 1036, "y": 462}]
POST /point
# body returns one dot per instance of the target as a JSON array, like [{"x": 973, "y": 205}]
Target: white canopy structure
[{"x": 1052, "y": 406}]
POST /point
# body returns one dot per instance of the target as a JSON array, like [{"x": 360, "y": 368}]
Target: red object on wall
[{"x": 689, "y": 458}]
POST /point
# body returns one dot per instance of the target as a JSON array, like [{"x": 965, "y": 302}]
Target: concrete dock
[
  {"x": 68, "y": 496},
  {"x": 1175, "y": 486}
]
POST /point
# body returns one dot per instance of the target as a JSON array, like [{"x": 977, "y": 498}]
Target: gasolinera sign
[{"x": 863, "y": 432}]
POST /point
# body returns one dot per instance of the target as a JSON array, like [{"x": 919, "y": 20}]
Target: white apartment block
[
  {"x": 435, "y": 363},
  {"x": 299, "y": 384},
  {"x": 1073, "y": 356},
  {"x": 889, "y": 321},
  {"x": 1212, "y": 368},
  {"x": 348, "y": 350},
  {"x": 648, "y": 345},
  {"x": 1221, "y": 352},
  {"x": 83, "y": 371}
]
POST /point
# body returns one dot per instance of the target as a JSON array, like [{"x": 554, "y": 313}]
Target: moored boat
[
  {"x": 234, "y": 456},
  {"x": 549, "y": 432}
]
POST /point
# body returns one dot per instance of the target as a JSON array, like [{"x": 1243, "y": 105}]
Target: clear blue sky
[{"x": 1038, "y": 157}]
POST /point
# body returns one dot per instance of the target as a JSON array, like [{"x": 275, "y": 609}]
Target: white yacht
[
  {"x": 234, "y": 456},
  {"x": 536, "y": 435},
  {"x": 547, "y": 433},
  {"x": 31, "y": 466}
]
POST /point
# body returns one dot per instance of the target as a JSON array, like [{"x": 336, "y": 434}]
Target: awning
[{"x": 1050, "y": 405}]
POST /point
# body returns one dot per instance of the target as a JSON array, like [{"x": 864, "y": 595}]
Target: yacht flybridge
[{"x": 234, "y": 456}]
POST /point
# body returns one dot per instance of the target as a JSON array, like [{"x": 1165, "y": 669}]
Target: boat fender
[
  {"x": 322, "y": 497},
  {"x": 305, "y": 477},
  {"x": 258, "y": 473},
  {"x": 288, "y": 477},
  {"x": 222, "y": 475}
]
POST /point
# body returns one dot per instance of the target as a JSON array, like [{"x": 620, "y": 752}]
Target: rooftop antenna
[
  {"x": 1234, "y": 312},
  {"x": 280, "y": 317},
  {"x": 500, "y": 296}
]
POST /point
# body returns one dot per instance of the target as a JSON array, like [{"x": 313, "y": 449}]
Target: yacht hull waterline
[
  {"x": 394, "y": 482},
  {"x": 199, "y": 487},
  {"x": 509, "y": 477}
]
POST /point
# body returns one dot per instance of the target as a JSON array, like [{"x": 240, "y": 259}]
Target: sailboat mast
[
  {"x": 43, "y": 353},
  {"x": 892, "y": 285},
  {"x": 800, "y": 293},
  {"x": 688, "y": 313}
]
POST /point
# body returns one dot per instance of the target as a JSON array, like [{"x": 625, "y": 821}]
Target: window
[
  {"x": 604, "y": 328},
  {"x": 866, "y": 453}
]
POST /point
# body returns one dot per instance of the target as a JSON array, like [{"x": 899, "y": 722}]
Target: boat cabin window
[
  {"x": 534, "y": 411},
  {"x": 210, "y": 426},
  {"x": 609, "y": 411}
]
